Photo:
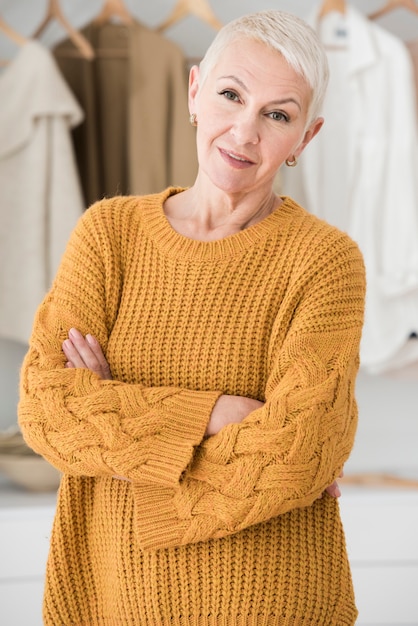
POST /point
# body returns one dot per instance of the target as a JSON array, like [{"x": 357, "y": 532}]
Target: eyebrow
[{"x": 245, "y": 88}]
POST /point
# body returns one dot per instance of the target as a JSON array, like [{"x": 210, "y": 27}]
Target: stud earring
[
  {"x": 290, "y": 163},
  {"x": 193, "y": 119}
]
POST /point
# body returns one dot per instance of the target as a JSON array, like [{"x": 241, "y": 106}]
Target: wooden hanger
[
  {"x": 16, "y": 37},
  {"x": 332, "y": 5},
  {"x": 55, "y": 12},
  {"x": 114, "y": 8},
  {"x": 111, "y": 8},
  {"x": 379, "y": 480},
  {"x": 410, "y": 5},
  {"x": 199, "y": 8}
]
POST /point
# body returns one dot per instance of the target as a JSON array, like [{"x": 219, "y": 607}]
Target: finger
[
  {"x": 90, "y": 354},
  {"x": 72, "y": 354},
  {"x": 84, "y": 350},
  {"x": 98, "y": 352},
  {"x": 333, "y": 490}
]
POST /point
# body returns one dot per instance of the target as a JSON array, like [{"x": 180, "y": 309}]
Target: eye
[
  {"x": 279, "y": 116},
  {"x": 229, "y": 95}
]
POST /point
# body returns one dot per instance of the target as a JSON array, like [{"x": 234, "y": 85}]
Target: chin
[{"x": 232, "y": 187}]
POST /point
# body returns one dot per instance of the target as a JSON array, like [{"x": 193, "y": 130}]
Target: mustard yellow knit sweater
[{"x": 227, "y": 530}]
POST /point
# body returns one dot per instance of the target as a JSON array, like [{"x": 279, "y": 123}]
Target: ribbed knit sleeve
[
  {"x": 84, "y": 425},
  {"x": 283, "y": 455}
]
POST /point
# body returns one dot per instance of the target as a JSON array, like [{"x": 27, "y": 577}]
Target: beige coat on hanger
[
  {"x": 40, "y": 195},
  {"x": 136, "y": 137}
]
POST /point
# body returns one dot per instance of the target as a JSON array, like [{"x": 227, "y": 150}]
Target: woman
[{"x": 196, "y": 448}]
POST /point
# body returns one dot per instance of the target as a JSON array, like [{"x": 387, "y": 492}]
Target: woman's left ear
[
  {"x": 313, "y": 130},
  {"x": 193, "y": 86}
]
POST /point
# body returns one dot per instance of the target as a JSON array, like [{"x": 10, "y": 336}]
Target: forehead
[
  {"x": 256, "y": 60},
  {"x": 261, "y": 70}
]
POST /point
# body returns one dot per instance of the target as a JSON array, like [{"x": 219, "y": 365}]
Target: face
[{"x": 252, "y": 112}]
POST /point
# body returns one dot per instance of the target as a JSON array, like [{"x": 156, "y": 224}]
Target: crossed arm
[{"x": 86, "y": 352}]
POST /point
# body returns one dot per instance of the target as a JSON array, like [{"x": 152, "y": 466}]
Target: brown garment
[{"x": 136, "y": 137}]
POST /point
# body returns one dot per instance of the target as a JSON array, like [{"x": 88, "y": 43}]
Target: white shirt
[{"x": 361, "y": 174}]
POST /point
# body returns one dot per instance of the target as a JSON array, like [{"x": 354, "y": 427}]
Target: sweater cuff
[
  {"x": 184, "y": 418},
  {"x": 156, "y": 521}
]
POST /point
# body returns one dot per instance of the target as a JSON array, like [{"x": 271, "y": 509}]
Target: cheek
[
  {"x": 204, "y": 142},
  {"x": 276, "y": 151},
  {"x": 286, "y": 144},
  {"x": 213, "y": 120},
  {"x": 209, "y": 130}
]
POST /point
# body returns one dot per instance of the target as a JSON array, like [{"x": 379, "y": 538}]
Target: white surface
[
  {"x": 25, "y": 526},
  {"x": 21, "y": 604},
  {"x": 387, "y": 436},
  {"x": 386, "y": 595},
  {"x": 378, "y": 523},
  {"x": 382, "y": 543}
]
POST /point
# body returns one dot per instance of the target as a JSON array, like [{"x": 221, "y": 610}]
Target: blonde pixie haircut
[{"x": 293, "y": 38}]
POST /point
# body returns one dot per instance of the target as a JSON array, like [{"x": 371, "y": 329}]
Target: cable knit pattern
[{"x": 221, "y": 531}]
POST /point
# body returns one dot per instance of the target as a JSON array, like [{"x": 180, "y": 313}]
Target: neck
[{"x": 208, "y": 215}]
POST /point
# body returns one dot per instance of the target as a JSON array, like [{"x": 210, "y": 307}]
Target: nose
[{"x": 245, "y": 128}]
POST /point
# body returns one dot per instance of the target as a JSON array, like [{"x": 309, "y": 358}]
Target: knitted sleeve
[
  {"x": 84, "y": 425},
  {"x": 285, "y": 454}
]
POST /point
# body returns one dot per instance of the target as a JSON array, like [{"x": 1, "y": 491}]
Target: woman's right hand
[
  {"x": 230, "y": 410},
  {"x": 85, "y": 352}
]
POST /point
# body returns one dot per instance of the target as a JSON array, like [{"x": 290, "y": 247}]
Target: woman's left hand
[
  {"x": 86, "y": 352},
  {"x": 334, "y": 490}
]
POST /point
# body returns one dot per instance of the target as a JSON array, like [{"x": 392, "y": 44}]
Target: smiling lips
[{"x": 235, "y": 160}]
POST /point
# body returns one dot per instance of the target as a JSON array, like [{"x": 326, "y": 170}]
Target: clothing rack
[
  {"x": 117, "y": 9},
  {"x": 112, "y": 9},
  {"x": 332, "y": 5},
  {"x": 199, "y": 8},
  {"x": 409, "y": 5},
  {"x": 54, "y": 12},
  {"x": 12, "y": 34}
]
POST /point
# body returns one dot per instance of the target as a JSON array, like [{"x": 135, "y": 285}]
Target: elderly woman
[{"x": 200, "y": 449}]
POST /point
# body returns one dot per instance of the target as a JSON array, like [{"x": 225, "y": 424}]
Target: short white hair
[{"x": 293, "y": 38}]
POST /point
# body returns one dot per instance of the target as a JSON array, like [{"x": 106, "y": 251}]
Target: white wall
[{"x": 388, "y": 427}]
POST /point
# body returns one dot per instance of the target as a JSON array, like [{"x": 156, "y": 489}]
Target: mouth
[{"x": 236, "y": 160}]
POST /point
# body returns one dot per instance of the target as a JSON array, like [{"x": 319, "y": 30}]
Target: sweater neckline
[{"x": 176, "y": 244}]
